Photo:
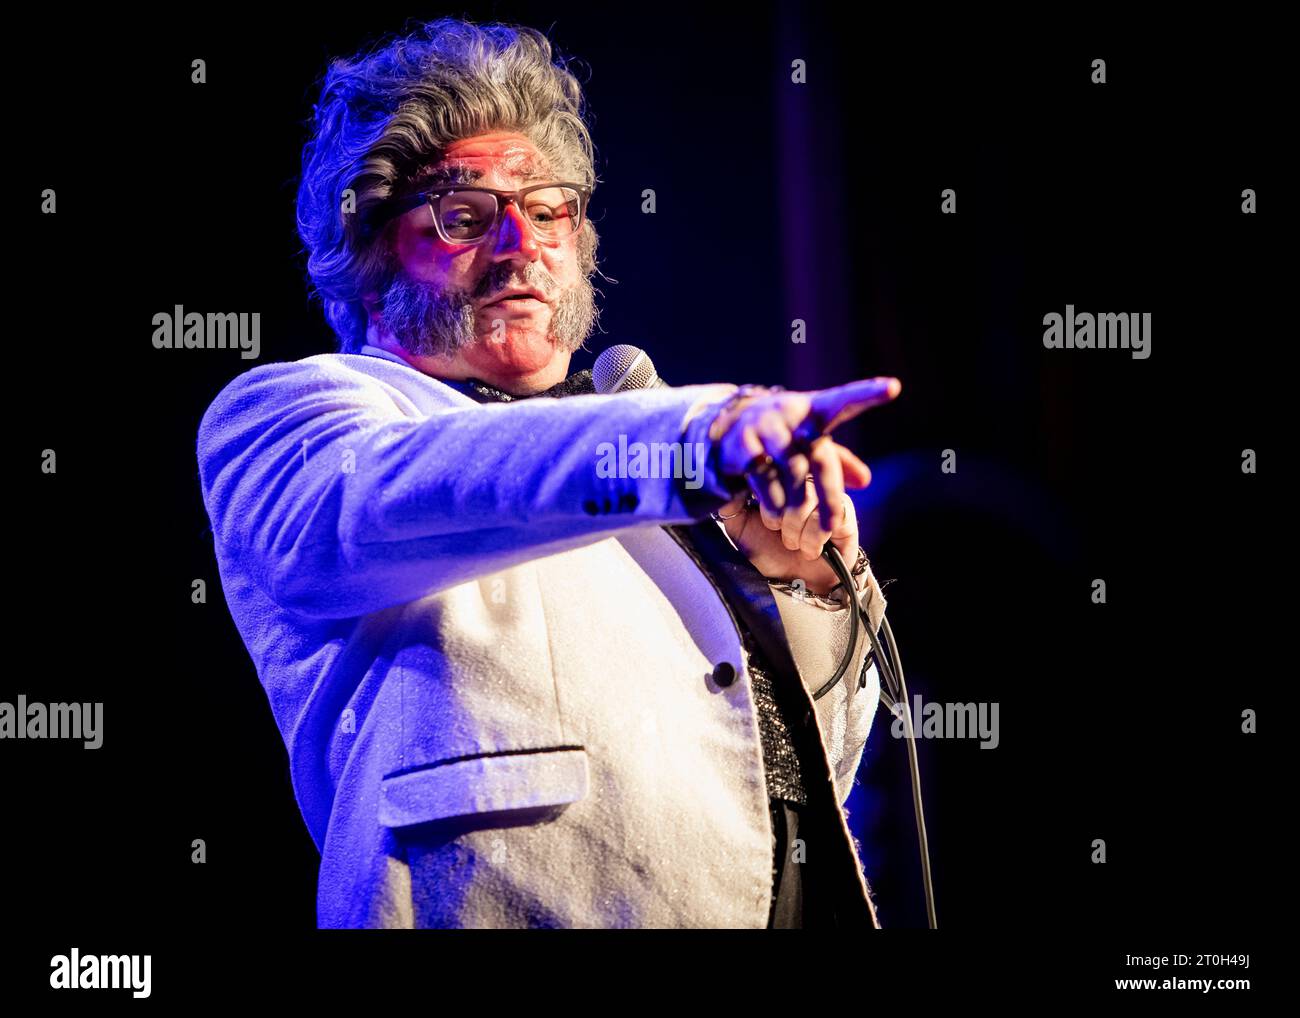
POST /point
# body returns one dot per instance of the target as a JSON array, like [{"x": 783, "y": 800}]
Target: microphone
[{"x": 623, "y": 368}]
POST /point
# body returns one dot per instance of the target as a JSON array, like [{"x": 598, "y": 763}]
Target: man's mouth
[{"x": 516, "y": 295}]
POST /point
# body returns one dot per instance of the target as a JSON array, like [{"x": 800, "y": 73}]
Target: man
[{"x": 519, "y": 689}]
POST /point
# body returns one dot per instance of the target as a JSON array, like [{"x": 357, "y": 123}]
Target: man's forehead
[
  {"x": 523, "y": 163},
  {"x": 526, "y": 166}
]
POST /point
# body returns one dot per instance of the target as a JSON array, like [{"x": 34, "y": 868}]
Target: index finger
[{"x": 844, "y": 402}]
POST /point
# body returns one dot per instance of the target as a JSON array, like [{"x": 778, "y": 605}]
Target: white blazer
[{"x": 493, "y": 669}]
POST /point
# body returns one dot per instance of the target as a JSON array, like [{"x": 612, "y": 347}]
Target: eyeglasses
[{"x": 465, "y": 215}]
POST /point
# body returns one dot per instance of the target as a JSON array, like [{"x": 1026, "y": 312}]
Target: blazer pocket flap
[{"x": 484, "y": 784}]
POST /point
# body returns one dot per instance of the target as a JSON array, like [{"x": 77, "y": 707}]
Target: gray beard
[{"x": 431, "y": 322}]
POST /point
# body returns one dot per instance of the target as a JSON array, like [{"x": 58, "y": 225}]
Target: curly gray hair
[{"x": 386, "y": 114}]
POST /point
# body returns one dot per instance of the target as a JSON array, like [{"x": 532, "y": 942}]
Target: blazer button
[{"x": 724, "y": 673}]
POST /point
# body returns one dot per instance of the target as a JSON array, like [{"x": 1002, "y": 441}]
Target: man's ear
[{"x": 371, "y": 302}]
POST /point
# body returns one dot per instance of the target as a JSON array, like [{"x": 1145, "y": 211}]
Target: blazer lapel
[
  {"x": 751, "y": 600},
  {"x": 745, "y": 591}
]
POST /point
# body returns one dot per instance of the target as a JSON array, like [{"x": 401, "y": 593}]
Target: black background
[{"x": 1119, "y": 721}]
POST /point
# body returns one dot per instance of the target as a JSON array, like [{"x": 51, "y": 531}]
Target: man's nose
[{"x": 515, "y": 236}]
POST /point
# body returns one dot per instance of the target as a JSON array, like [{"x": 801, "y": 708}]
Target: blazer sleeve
[
  {"x": 339, "y": 499},
  {"x": 817, "y": 635}
]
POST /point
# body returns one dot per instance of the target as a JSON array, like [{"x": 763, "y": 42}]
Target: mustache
[
  {"x": 428, "y": 319},
  {"x": 502, "y": 277}
]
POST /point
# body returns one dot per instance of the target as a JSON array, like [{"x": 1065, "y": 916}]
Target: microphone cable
[
  {"x": 890, "y": 665},
  {"x": 625, "y": 367}
]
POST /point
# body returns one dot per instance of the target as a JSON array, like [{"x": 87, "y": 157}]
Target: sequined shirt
[{"x": 781, "y": 762}]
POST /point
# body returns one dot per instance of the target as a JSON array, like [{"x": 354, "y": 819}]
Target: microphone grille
[{"x": 621, "y": 368}]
